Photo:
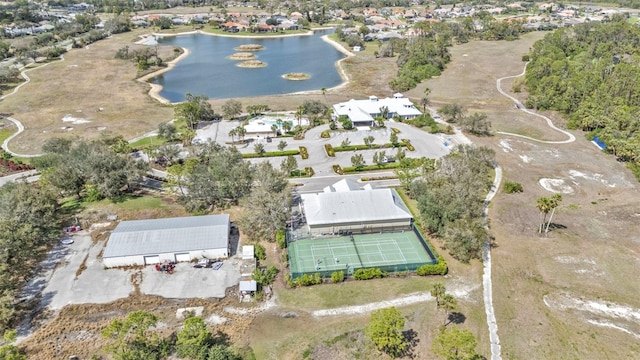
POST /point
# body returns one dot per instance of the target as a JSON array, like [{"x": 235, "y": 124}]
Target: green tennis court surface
[{"x": 400, "y": 251}]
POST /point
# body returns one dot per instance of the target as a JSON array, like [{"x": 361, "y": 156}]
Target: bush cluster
[
  {"x": 307, "y": 280},
  {"x": 439, "y": 268},
  {"x": 371, "y": 273},
  {"x": 329, "y": 149},
  {"x": 395, "y": 130},
  {"x": 281, "y": 238},
  {"x": 325, "y": 134},
  {"x": 511, "y": 187},
  {"x": 14, "y": 166},
  {"x": 260, "y": 251},
  {"x": 304, "y": 153},
  {"x": 337, "y": 277},
  {"x": 338, "y": 170},
  {"x": 408, "y": 144},
  {"x": 309, "y": 171}
]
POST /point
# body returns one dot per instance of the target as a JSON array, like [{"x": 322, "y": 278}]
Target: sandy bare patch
[
  {"x": 68, "y": 118},
  {"x": 591, "y": 176},
  {"x": 216, "y": 319},
  {"x": 557, "y": 186},
  {"x": 296, "y": 76},
  {"x": 505, "y": 145},
  {"x": 526, "y": 159},
  {"x": 194, "y": 311},
  {"x": 598, "y": 312}
]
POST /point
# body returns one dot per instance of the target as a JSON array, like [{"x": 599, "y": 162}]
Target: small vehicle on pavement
[
  {"x": 167, "y": 266},
  {"x": 203, "y": 263}
]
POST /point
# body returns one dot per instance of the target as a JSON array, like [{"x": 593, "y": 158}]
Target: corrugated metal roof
[
  {"x": 250, "y": 285},
  {"x": 363, "y": 110},
  {"x": 342, "y": 185},
  {"x": 354, "y": 206},
  {"x": 158, "y": 236}
]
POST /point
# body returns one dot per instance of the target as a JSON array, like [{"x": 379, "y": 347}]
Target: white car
[{"x": 66, "y": 241}]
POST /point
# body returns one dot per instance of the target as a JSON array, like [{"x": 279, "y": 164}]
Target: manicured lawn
[
  {"x": 353, "y": 292},
  {"x": 148, "y": 141}
]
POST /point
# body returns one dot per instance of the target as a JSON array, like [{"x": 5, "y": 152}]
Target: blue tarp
[{"x": 599, "y": 142}]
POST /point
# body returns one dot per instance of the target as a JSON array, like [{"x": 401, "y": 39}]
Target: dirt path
[
  {"x": 487, "y": 285},
  {"x": 5, "y": 143},
  {"x": 521, "y": 107}
]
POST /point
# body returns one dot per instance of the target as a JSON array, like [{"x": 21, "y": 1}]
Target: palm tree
[
  {"x": 274, "y": 128},
  {"x": 298, "y": 114},
  {"x": 286, "y": 126},
  {"x": 425, "y": 99},
  {"x": 233, "y": 133},
  {"x": 546, "y": 205},
  {"x": 241, "y": 132},
  {"x": 324, "y": 93}
]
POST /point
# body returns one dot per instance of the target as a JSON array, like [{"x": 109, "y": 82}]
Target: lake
[{"x": 208, "y": 71}]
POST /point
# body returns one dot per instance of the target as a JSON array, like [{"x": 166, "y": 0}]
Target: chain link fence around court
[{"x": 389, "y": 251}]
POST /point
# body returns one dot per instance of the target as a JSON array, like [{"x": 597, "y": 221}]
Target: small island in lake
[
  {"x": 296, "y": 76},
  {"x": 252, "y": 64},
  {"x": 242, "y": 56},
  {"x": 249, "y": 47}
]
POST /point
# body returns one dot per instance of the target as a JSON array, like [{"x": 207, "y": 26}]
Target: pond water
[{"x": 208, "y": 71}]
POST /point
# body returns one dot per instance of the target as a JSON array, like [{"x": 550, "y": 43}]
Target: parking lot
[{"x": 62, "y": 281}]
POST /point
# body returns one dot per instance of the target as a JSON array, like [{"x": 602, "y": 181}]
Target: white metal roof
[
  {"x": 360, "y": 110},
  {"x": 170, "y": 235},
  {"x": 342, "y": 185},
  {"x": 248, "y": 252},
  {"x": 249, "y": 285},
  {"x": 354, "y": 206}
]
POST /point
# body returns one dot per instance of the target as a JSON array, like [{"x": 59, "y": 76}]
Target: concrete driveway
[{"x": 61, "y": 282}]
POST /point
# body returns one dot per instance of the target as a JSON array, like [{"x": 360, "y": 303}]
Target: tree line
[
  {"x": 450, "y": 196},
  {"x": 588, "y": 73}
]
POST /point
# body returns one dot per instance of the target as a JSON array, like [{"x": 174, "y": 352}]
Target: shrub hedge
[
  {"x": 338, "y": 170},
  {"x": 304, "y": 153},
  {"x": 271, "y": 154},
  {"x": 365, "y": 147},
  {"x": 439, "y": 268},
  {"x": 408, "y": 144},
  {"x": 395, "y": 130},
  {"x": 329, "y": 149},
  {"x": 352, "y": 169},
  {"x": 281, "y": 239},
  {"x": 325, "y": 134},
  {"x": 370, "y": 273},
  {"x": 337, "y": 276},
  {"x": 307, "y": 280}
]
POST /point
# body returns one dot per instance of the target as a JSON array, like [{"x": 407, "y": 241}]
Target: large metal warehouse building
[
  {"x": 344, "y": 207},
  {"x": 143, "y": 242}
]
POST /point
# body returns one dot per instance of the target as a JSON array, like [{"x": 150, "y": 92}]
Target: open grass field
[
  {"x": 76, "y": 88},
  {"x": 572, "y": 294}
]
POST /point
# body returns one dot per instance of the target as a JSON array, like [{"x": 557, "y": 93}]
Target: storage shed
[{"x": 144, "y": 242}]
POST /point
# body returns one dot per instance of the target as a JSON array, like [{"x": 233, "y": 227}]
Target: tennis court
[{"x": 397, "y": 251}]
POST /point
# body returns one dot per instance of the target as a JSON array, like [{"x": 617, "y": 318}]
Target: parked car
[{"x": 203, "y": 263}]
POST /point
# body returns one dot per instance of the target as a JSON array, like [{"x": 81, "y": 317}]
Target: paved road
[
  {"x": 521, "y": 107},
  {"x": 22, "y": 176}
]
